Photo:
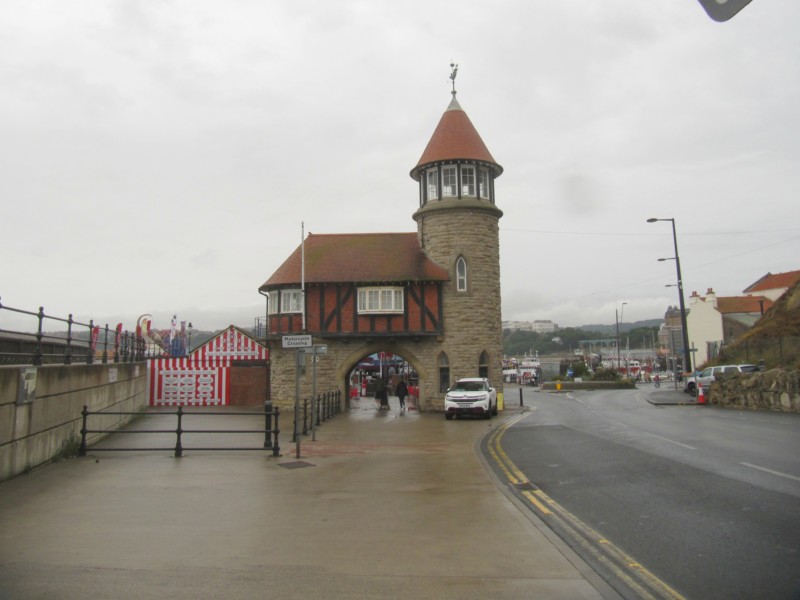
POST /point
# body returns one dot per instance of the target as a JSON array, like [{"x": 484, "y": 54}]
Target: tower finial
[{"x": 453, "y": 73}]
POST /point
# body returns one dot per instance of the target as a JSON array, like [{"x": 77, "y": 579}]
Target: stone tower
[{"x": 457, "y": 225}]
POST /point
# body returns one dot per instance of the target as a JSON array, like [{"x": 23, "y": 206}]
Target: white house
[
  {"x": 713, "y": 320},
  {"x": 773, "y": 286}
]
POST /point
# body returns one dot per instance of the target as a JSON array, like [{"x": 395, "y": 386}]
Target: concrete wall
[
  {"x": 40, "y": 408},
  {"x": 776, "y": 389}
]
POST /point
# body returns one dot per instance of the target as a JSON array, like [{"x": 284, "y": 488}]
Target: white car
[
  {"x": 709, "y": 374},
  {"x": 471, "y": 396}
]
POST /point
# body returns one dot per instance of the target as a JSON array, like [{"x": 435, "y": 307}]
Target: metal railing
[
  {"x": 82, "y": 342},
  {"x": 328, "y": 405},
  {"x": 270, "y": 430}
]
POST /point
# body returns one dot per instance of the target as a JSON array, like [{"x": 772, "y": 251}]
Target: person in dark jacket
[
  {"x": 381, "y": 394},
  {"x": 402, "y": 392}
]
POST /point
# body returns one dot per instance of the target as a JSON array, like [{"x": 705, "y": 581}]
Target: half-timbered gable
[{"x": 377, "y": 284}]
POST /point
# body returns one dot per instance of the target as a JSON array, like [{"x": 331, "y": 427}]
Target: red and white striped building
[{"x": 207, "y": 375}]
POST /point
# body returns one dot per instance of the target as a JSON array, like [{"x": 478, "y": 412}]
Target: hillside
[
  {"x": 775, "y": 338},
  {"x": 623, "y": 327}
]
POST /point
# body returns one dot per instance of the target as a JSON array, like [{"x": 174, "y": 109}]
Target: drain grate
[
  {"x": 525, "y": 486},
  {"x": 298, "y": 464}
]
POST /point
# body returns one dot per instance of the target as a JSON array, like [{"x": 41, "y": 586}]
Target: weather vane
[{"x": 453, "y": 73}]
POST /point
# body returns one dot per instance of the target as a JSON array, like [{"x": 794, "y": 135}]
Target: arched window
[
  {"x": 444, "y": 373},
  {"x": 483, "y": 365},
  {"x": 461, "y": 274}
]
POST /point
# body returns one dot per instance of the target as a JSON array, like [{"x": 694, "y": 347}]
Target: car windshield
[
  {"x": 749, "y": 368},
  {"x": 469, "y": 386}
]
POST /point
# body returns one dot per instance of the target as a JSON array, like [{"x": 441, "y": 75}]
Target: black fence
[
  {"x": 270, "y": 431},
  {"x": 327, "y": 406},
  {"x": 781, "y": 351},
  {"x": 80, "y": 343}
]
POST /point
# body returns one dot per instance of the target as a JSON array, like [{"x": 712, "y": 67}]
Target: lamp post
[
  {"x": 617, "y": 318},
  {"x": 189, "y": 350},
  {"x": 687, "y": 355}
]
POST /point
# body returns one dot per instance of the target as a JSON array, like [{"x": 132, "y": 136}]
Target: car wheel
[
  {"x": 692, "y": 389},
  {"x": 448, "y": 416},
  {"x": 494, "y": 410},
  {"x": 488, "y": 413}
]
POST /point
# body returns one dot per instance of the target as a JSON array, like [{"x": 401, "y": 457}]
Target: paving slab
[{"x": 385, "y": 504}]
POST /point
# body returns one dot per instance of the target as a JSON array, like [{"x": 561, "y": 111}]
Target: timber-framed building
[{"x": 430, "y": 296}]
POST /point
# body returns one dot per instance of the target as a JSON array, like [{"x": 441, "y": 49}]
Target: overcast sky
[{"x": 160, "y": 157}]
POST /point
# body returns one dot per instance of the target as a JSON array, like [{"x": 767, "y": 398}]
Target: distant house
[
  {"x": 715, "y": 320},
  {"x": 773, "y": 286}
]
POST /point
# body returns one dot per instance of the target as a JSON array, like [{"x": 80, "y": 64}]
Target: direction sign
[
  {"x": 296, "y": 341},
  {"x": 318, "y": 349}
]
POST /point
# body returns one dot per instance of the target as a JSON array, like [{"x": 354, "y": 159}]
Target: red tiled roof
[
  {"x": 742, "y": 304},
  {"x": 455, "y": 138},
  {"x": 774, "y": 282},
  {"x": 358, "y": 257}
]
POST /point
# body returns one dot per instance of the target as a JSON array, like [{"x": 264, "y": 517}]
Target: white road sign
[{"x": 296, "y": 341}]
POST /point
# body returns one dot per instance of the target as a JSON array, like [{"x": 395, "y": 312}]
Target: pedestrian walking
[
  {"x": 402, "y": 392},
  {"x": 381, "y": 393}
]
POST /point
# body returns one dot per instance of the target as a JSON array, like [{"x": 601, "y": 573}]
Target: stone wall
[
  {"x": 341, "y": 357},
  {"x": 473, "y": 324},
  {"x": 40, "y": 408},
  {"x": 777, "y": 390}
]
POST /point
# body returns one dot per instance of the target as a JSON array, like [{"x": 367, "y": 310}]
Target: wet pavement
[
  {"x": 384, "y": 504},
  {"x": 667, "y": 394}
]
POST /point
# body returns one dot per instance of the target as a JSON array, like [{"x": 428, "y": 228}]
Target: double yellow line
[{"x": 637, "y": 577}]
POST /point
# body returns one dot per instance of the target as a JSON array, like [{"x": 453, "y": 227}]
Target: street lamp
[
  {"x": 687, "y": 356},
  {"x": 617, "y": 317}
]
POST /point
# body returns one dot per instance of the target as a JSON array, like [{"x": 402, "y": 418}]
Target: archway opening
[{"x": 383, "y": 383}]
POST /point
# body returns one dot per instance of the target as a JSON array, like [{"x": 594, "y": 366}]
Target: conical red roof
[{"x": 455, "y": 137}]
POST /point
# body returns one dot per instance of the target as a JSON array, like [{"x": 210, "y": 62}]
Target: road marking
[
  {"x": 670, "y": 441},
  {"x": 638, "y": 578},
  {"x": 778, "y": 473}
]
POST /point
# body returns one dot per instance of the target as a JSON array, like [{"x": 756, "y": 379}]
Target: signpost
[
  {"x": 314, "y": 351},
  {"x": 303, "y": 345}
]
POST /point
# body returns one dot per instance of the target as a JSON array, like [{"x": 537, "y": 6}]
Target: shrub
[{"x": 606, "y": 375}]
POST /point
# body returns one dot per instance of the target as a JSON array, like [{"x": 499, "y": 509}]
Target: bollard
[
  {"x": 82, "y": 449},
  {"x": 267, "y": 425},
  {"x": 520, "y": 396},
  {"x": 276, "y": 449},
  {"x": 179, "y": 432}
]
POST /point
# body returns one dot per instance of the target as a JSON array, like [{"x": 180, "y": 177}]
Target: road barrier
[{"x": 270, "y": 432}]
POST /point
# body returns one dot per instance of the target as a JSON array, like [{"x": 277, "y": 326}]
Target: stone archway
[{"x": 348, "y": 362}]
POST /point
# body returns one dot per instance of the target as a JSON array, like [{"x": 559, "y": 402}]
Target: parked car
[
  {"x": 471, "y": 396},
  {"x": 709, "y": 374}
]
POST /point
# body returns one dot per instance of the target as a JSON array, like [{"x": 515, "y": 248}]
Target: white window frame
[
  {"x": 467, "y": 180},
  {"x": 449, "y": 181},
  {"x": 274, "y": 305},
  {"x": 380, "y": 300},
  {"x": 432, "y": 177},
  {"x": 483, "y": 183},
  {"x": 292, "y": 301},
  {"x": 461, "y": 274}
]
